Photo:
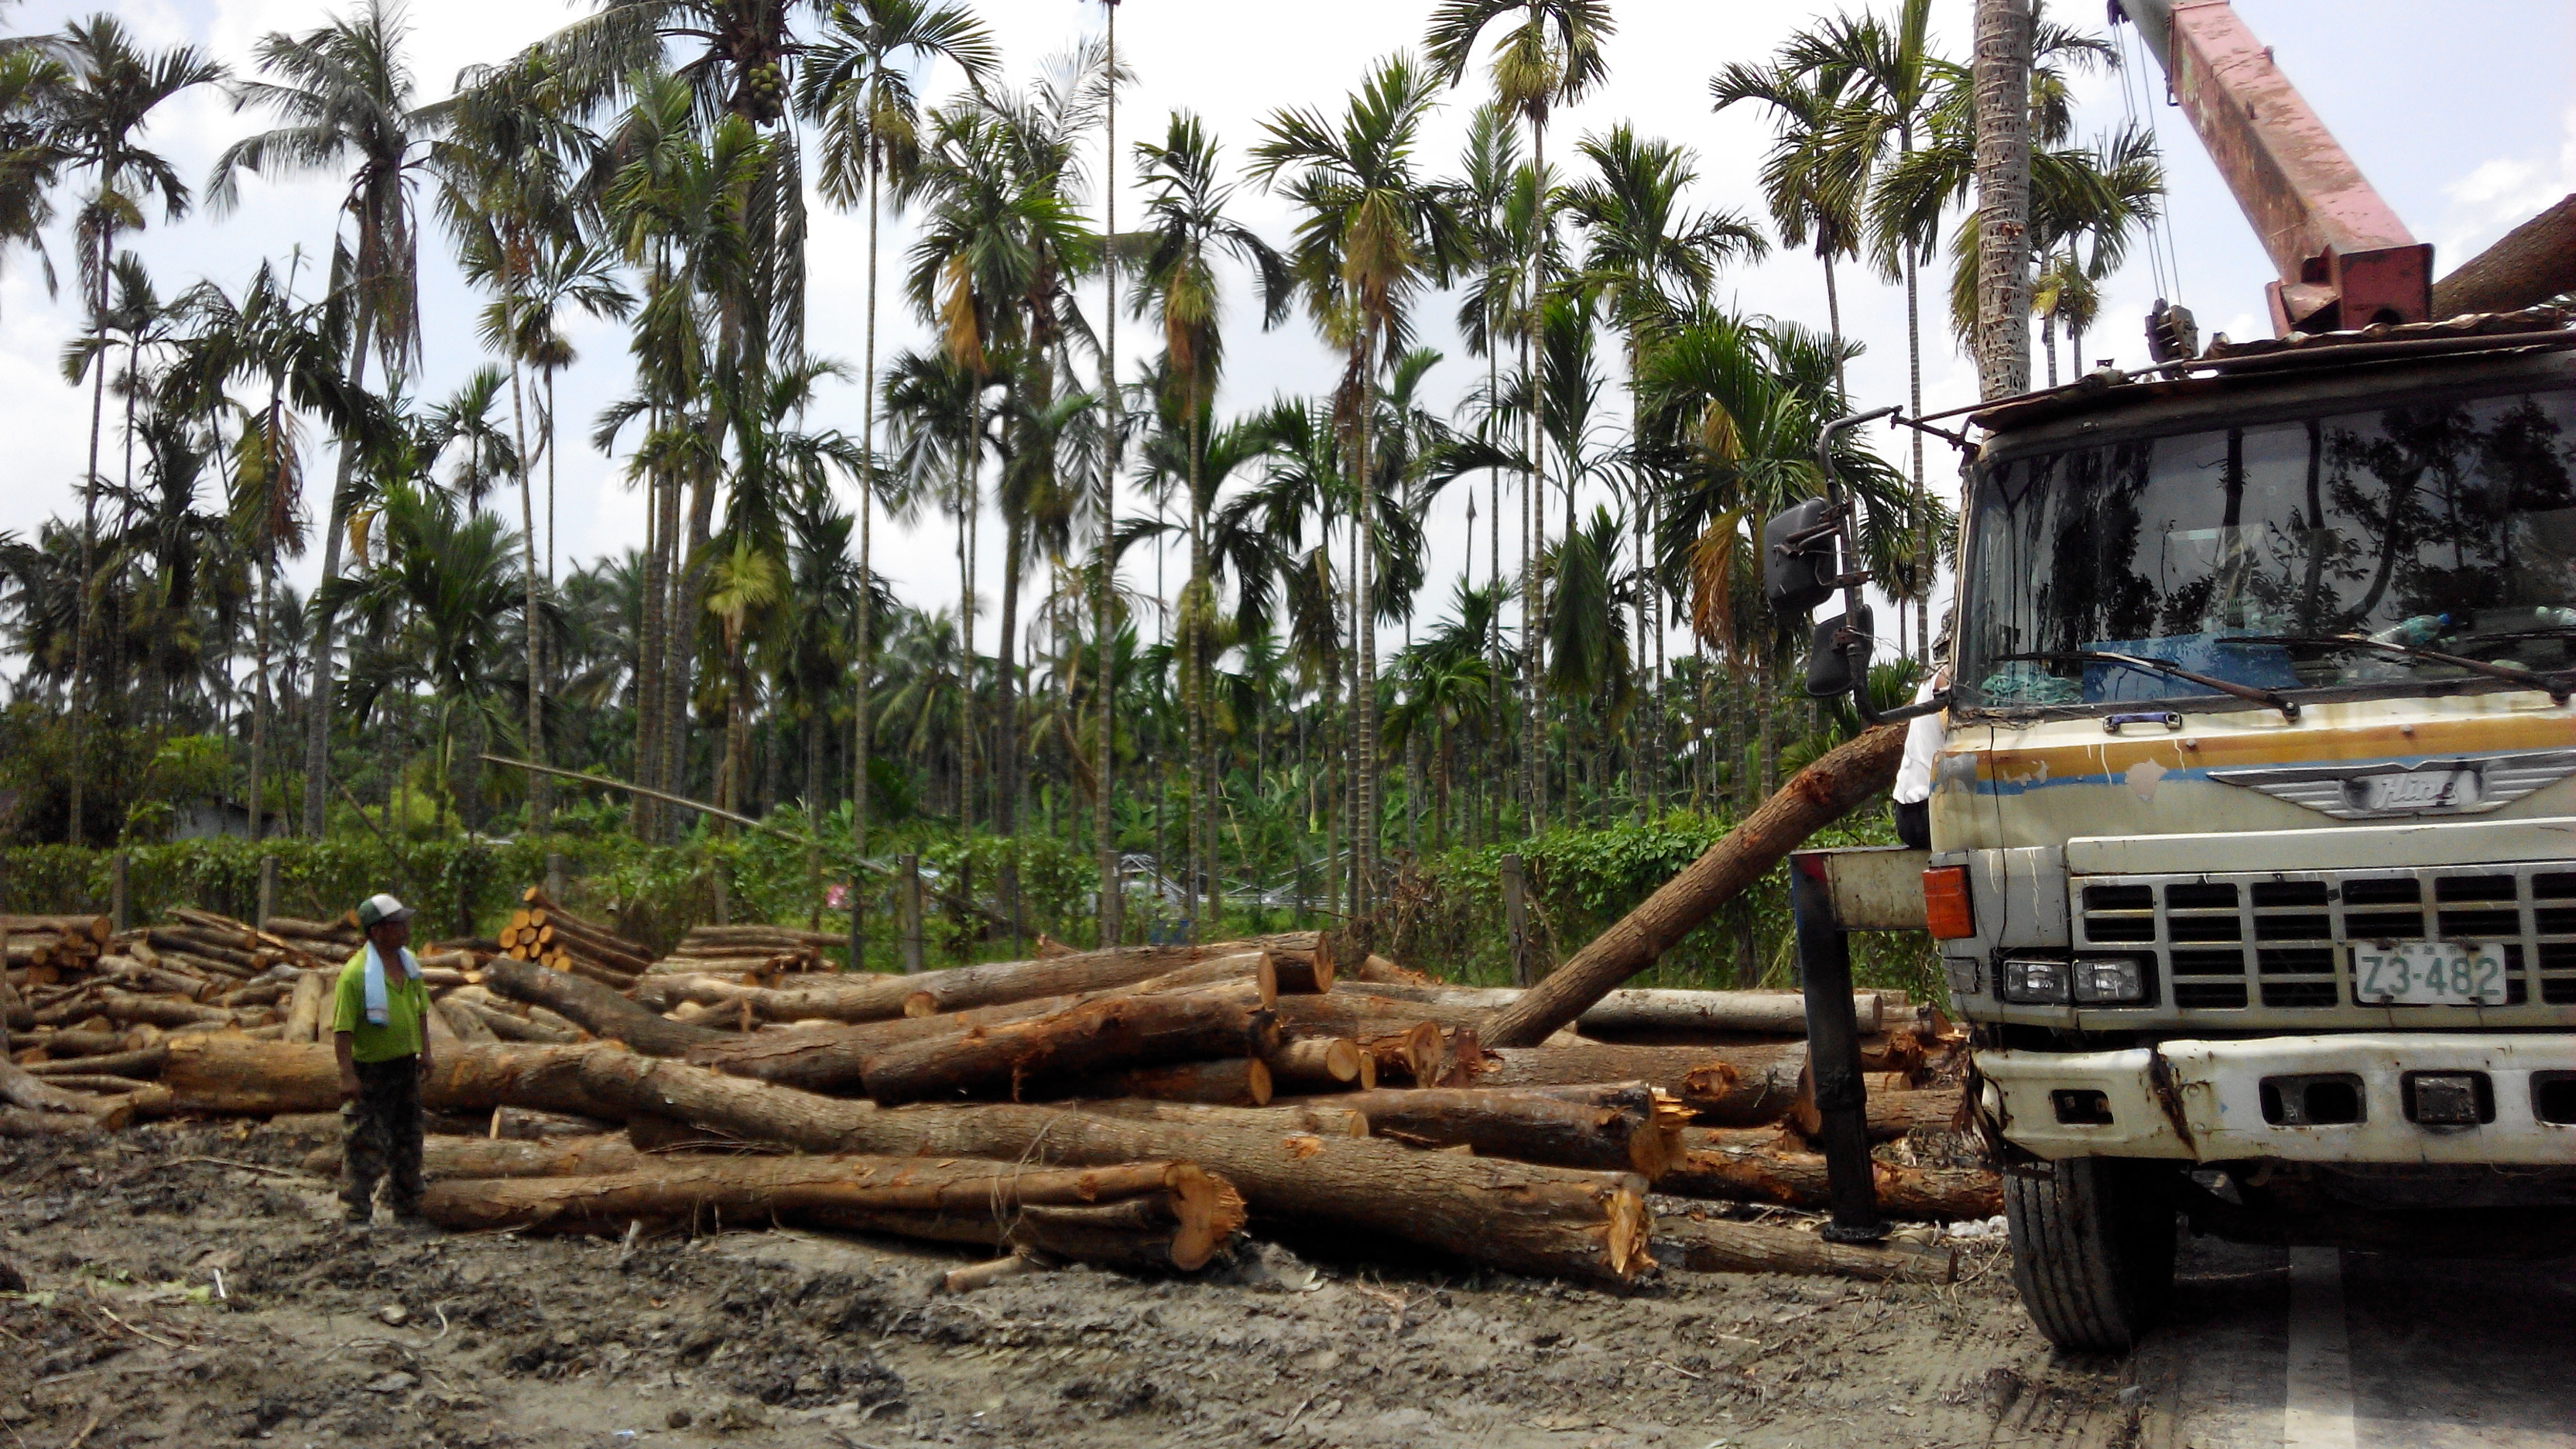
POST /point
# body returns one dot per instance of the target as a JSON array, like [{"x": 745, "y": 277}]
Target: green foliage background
[{"x": 1446, "y": 916}]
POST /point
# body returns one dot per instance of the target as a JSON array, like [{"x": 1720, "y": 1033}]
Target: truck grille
[{"x": 2280, "y": 939}]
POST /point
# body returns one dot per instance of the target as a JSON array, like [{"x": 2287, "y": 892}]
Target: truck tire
[{"x": 2093, "y": 1251}]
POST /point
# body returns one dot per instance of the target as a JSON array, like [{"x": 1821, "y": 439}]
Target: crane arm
[{"x": 2344, "y": 258}]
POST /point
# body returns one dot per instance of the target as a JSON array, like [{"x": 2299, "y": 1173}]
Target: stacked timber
[
  {"x": 43, "y": 950},
  {"x": 333, "y": 940},
  {"x": 547, "y": 934},
  {"x": 1135, "y": 1107},
  {"x": 752, "y": 955}
]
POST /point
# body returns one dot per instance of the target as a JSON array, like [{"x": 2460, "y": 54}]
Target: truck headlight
[
  {"x": 2109, "y": 981},
  {"x": 2036, "y": 983}
]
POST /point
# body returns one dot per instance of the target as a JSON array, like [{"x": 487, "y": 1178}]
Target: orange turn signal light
[{"x": 1946, "y": 912}]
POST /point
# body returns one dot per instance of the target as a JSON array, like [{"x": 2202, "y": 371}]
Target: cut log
[
  {"x": 58, "y": 1045},
  {"x": 1322, "y": 1117},
  {"x": 1705, "y": 1245},
  {"x": 870, "y": 996},
  {"x": 92, "y": 928},
  {"x": 783, "y": 935},
  {"x": 1325, "y": 1064},
  {"x": 951, "y": 1201},
  {"x": 1378, "y": 969},
  {"x": 1116, "y": 1032},
  {"x": 1622, "y": 1126},
  {"x": 226, "y": 1074},
  {"x": 18, "y": 1122},
  {"x": 1761, "y": 1165},
  {"x": 1812, "y": 799},
  {"x": 487, "y": 1157},
  {"x": 1302, "y": 973},
  {"x": 1233, "y": 1082},
  {"x": 601, "y": 1010},
  {"x": 161, "y": 1011},
  {"x": 528, "y": 1124},
  {"x": 1519, "y": 1216},
  {"x": 15, "y": 1015},
  {"x": 304, "y": 1010},
  {"x": 607, "y": 951},
  {"x": 508, "y": 1026},
  {"x": 464, "y": 1021},
  {"x": 1628, "y": 1012},
  {"x": 827, "y": 1058},
  {"x": 2533, "y": 263},
  {"x": 145, "y": 1062},
  {"x": 20, "y": 1088},
  {"x": 1240, "y": 967},
  {"x": 1731, "y": 1086},
  {"x": 1891, "y": 1114}
]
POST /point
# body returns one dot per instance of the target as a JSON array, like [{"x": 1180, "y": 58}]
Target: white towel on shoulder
[{"x": 377, "y": 1009}]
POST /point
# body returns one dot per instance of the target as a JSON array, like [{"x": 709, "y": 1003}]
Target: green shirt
[{"x": 406, "y": 1002}]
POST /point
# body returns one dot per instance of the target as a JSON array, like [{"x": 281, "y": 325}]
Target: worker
[{"x": 379, "y": 1034}]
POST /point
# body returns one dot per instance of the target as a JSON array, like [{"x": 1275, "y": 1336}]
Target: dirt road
[{"x": 315, "y": 1337}]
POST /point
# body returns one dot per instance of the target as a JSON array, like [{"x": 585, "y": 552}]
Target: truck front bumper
[{"x": 2222, "y": 1101}]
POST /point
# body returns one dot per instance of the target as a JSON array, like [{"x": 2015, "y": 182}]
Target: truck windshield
[{"x": 2447, "y": 526}]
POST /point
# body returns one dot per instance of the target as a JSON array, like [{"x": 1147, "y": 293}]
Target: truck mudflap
[{"x": 2379, "y": 1097}]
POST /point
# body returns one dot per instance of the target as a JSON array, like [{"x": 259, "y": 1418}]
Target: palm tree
[
  {"x": 268, "y": 339},
  {"x": 347, "y": 98},
  {"x": 100, "y": 96},
  {"x": 1373, "y": 232},
  {"x": 446, "y": 582},
  {"x": 31, "y": 154},
  {"x": 1734, "y": 409},
  {"x": 1654, "y": 263},
  {"x": 1498, "y": 212},
  {"x": 1186, "y": 227},
  {"x": 680, "y": 207},
  {"x": 1812, "y": 189},
  {"x": 857, "y": 84},
  {"x": 1553, "y": 57}
]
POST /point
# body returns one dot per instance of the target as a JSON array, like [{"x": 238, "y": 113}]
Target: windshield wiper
[
  {"x": 2289, "y": 708},
  {"x": 2556, "y": 685}
]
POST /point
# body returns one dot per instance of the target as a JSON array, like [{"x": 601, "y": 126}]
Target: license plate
[
  {"x": 2429, "y": 973},
  {"x": 2418, "y": 790}
]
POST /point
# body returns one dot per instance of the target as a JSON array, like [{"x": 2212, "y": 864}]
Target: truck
[{"x": 2252, "y": 829}]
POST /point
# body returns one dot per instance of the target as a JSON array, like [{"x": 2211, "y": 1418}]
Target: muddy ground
[{"x": 320, "y": 1337}]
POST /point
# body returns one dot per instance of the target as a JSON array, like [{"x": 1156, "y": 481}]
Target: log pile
[
  {"x": 1133, "y": 1107},
  {"x": 749, "y": 955},
  {"x": 547, "y": 934}
]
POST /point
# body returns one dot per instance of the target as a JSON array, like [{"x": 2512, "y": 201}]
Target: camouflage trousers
[{"x": 381, "y": 1138}]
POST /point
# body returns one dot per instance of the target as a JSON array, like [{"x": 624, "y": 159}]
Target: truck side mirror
[
  {"x": 1834, "y": 668},
  {"x": 1801, "y": 556}
]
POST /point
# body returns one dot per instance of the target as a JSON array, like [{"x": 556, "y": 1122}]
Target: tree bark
[
  {"x": 1227, "y": 1082},
  {"x": 1761, "y": 1165},
  {"x": 1196, "y": 1211},
  {"x": 1760, "y": 1013},
  {"x": 598, "y": 1009},
  {"x": 1519, "y": 1216},
  {"x": 1704, "y": 1245},
  {"x": 1117, "y": 1032},
  {"x": 2533, "y": 263},
  {"x": 2000, "y": 75},
  {"x": 880, "y": 997},
  {"x": 1623, "y": 1126},
  {"x": 1890, "y": 1114},
  {"x": 1718, "y": 1086},
  {"x": 317, "y": 664},
  {"x": 1321, "y": 1064},
  {"x": 1819, "y": 794}
]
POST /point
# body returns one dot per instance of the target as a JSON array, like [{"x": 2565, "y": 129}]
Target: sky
[{"x": 2462, "y": 114}]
